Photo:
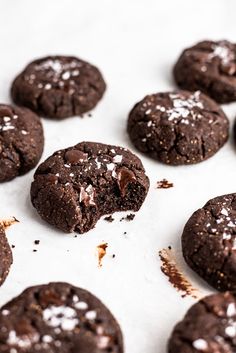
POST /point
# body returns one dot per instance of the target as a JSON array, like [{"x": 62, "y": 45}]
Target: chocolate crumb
[
  {"x": 36, "y": 242},
  {"x": 13, "y": 246},
  {"x": 164, "y": 184},
  {"x": 128, "y": 218},
  {"x": 101, "y": 249},
  {"x": 169, "y": 247},
  {"x": 125, "y": 233},
  {"x": 175, "y": 276},
  {"x": 113, "y": 256},
  {"x": 34, "y": 250},
  {"x": 75, "y": 236},
  {"x": 109, "y": 219}
]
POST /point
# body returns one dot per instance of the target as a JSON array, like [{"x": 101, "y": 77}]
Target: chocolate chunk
[
  {"x": 5, "y": 256},
  {"x": 124, "y": 178},
  {"x": 75, "y": 156}
]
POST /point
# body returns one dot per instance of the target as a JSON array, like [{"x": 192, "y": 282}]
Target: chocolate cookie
[
  {"x": 209, "y": 242},
  {"x": 59, "y": 86},
  {"x": 210, "y": 67},
  {"x": 58, "y": 318},
  {"x": 21, "y": 141},
  {"x": 5, "y": 256},
  {"x": 74, "y": 187},
  {"x": 209, "y": 326},
  {"x": 178, "y": 128}
]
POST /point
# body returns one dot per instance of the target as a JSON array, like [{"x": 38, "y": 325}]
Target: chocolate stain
[
  {"x": 101, "y": 249},
  {"x": 164, "y": 184},
  {"x": 6, "y": 223},
  {"x": 175, "y": 275}
]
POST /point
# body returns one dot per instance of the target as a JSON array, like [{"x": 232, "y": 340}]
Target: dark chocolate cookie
[
  {"x": 59, "y": 86},
  {"x": 5, "y": 256},
  {"x": 74, "y": 187},
  {"x": 209, "y": 242},
  {"x": 58, "y": 318},
  {"x": 210, "y": 67},
  {"x": 178, "y": 127},
  {"x": 208, "y": 327},
  {"x": 21, "y": 141}
]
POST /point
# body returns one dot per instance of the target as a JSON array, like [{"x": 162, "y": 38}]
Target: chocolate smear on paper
[
  {"x": 101, "y": 250},
  {"x": 175, "y": 275}
]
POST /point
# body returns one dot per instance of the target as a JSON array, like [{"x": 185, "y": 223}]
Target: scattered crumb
[
  {"x": 109, "y": 219},
  {"x": 90, "y": 115},
  {"x": 125, "y": 233},
  {"x": 8, "y": 222},
  {"x": 101, "y": 249},
  {"x": 128, "y": 218},
  {"x": 36, "y": 242},
  {"x": 34, "y": 250},
  {"x": 13, "y": 246},
  {"x": 175, "y": 275},
  {"x": 113, "y": 256},
  {"x": 75, "y": 236},
  {"x": 164, "y": 184}
]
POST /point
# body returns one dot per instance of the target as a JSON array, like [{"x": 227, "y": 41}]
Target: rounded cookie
[
  {"x": 210, "y": 67},
  {"x": 74, "y": 187},
  {"x": 209, "y": 242},
  {"x": 59, "y": 86},
  {"x": 5, "y": 256},
  {"x": 58, "y": 318},
  {"x": 21, "y": 141},
  {"x": 208, "y": 327},
  {"x": 178, "y": 127}
]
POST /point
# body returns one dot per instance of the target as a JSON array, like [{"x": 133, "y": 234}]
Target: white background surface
[{"x": 135, "y": 44}]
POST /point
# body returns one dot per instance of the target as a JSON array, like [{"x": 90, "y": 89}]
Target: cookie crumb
[
  {"x": 13, "y": 246},
  {"x": 175, "y": 275},
  {"x": 5, "y": 223},
  {"x": 36, "y": 242},
  {"x": 109, "y": 219},
  {"x": 164, "y": 184},
  {"x": 34, "y": 250},
  {"x": 113, "y": 256},
  {"x": 101, "y": 249},
  {"x": 128, "y": 218}
]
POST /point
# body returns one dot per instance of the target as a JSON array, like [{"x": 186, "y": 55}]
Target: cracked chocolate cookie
[
  {"x": 58, "y": 318},
  {"x": 59, "y": 86},
  {"x": 209, "y": 326},
  {"x": 209, "y": 242},
  {"x": 5, "y": 256},
  {"x": 74, "y": 187},
  {"x": 21, "y": 141},
  {"x": 178, "y": 128},
  {"x": 210, "y": 67}
]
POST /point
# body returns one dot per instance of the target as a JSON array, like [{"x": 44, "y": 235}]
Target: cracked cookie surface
[
  {"x": 178, "y": 127},
  {"x": 210, "y": 67},
  {"x": 74, "y": 187},
  {"x": 21, "y": 141},
  {"x": 209, "y": 242},
  {"x": 58, "y": 318},
  {"x": 59, "y": 86},
  {"x": 209, "y": 326},
  {"x": 5, "y": 256}
]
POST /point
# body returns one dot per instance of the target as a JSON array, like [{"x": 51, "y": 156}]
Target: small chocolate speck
[
  {"x": 169, "y": 247},
  {"x": 34, "y": 250},
  {"x": 164, "y": 184},
  {"x": 13, "y": 246},
  {"x": 109, "y": 219},
  {"x": 113, "y": 256},
  {"x": 128, "y": 218},
  {"x": 36, "y": 242}
]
